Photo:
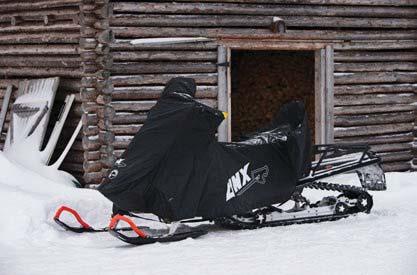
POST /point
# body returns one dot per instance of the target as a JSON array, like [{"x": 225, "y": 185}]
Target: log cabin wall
[
  {"x": 40, "y": 39},
  {"x": 375, "y": 54}
]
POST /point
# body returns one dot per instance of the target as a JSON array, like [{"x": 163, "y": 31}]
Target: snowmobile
[{"x": 175, "y": 169}]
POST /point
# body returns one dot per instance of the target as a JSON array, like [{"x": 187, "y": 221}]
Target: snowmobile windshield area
[{"x": 176, "y": 169}]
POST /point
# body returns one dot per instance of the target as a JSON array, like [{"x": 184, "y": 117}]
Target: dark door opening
[{"x": 262, "y": 81}]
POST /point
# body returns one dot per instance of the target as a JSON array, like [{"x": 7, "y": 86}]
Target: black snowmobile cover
[{"x": 176, "y": 169}]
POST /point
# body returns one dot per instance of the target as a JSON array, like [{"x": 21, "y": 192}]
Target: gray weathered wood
[
  {"x": 160, "y": 67},
  {"x": 165, "y": 56},
  {"x": 5, "y": 105},
  {"x": 162, "y": 79},
  {"x": 372, "y": 56},
  {"x": 154, "y": 92},
  {"x": 373, "y": 109},
  {"x": 371, "y": 119},
  {"x": 375, "y": 77},
  {"x": 373, "y": 89},
  {"x": 373, "y": 130},
  {"x": 273, "y": 10},
  {"x": 329, "y": 94},
  {"x": 368, "y": 99},
  {"x": 376, "y": 67},
  {"x": 320, "y": 96},
  {"x": 222, "y": 95},
  {"x": 379, "y": 139}
]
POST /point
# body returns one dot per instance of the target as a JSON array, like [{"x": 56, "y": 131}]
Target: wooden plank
[
  {"x": 372, "y": 119},
  {"x": 375, "y": 67},
  {"x": 396, "y": 156},
  {"x": 40, "y": 61},
  {"x": 371, "y": 99},
  {"x": 272, "y": 10},
  {"x": 146, "y": 105},
  {"x": 396, "y": 166},
  {"x": 395, "y": 147},
  {"x": 37, "y": 29},
  {"x": 369, "y": 56},
  {"x": 248, "y": 33},
  {"x": 165, "y": 55},
  {"x": 5, "y": 106},
  {"x": 321, "y": 2},
  {"x": 222, "y": 95},
  {"x": 154, "y": 92},
  {"x": 161, "y": 20},
  {"x": 40, "y": 72},
  {"x": 389, "y": 44},
  {"x": 373, "y": 130},
  {"x": 130, "y": 129},
  {"x": 372, "y": 109},
  {"x": 38, "y": 49},
  {"x": 378, "y": 139},
  {"x": 320, "y": 96},
  {"x": 129, "y": 117},
  {"x": 36, "y": 38},
  {"x": 163, "y": 67},
  {"x": 124, "y": 44},
  {"x": 329, "y": 101},
  {"x": 161, "y": 79},
  {"x": 375, "y": 77},
  {"x": 372, "y": 89},
  {"x": 30, "y": 6}
]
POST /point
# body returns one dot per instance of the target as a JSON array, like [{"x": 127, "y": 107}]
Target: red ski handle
[
  {"x": 117, "y": 218},
  {"x": 85, "y": 226}
]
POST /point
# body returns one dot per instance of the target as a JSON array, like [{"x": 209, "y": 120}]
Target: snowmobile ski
[{"x": 143, "y": 234}]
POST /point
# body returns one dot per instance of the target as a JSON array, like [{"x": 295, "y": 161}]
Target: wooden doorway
[{"x": 257, "y": 82}]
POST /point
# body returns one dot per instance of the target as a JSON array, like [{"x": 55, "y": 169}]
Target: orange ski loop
[
  {"x": 74, "y": 213},
  {"x": 115, "y": 220}
]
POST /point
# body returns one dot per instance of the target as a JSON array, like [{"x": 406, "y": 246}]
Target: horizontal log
[
  {"x": 368, "y": 56},
  {"x": 160, "y": 20},
  {"x": 72, "y": 167},
  {"x": 125, "y": 129},
  {"x": 378, "y": 139},
  {"x": 395, "y": 147},
  {"x": 30, "y": 6},
  {"x": 372, "y": 89},
  {"x": 129, "y": 117},
  {"x": 154, "y": 92},
  {"x": 396, "y": 156},
  {"x": 375, "y": 77},
  {"x": 125, "y": 44},
  {"x": 163, "y": 67},
  {"x": 37, "y": 29},
  {"x": 375, "y": 67},
  {"x": 38, "y": 49},
  {"x": 372, "y": 130},
  {"x": 92, "y": 166},
  {"x": 40, "y": 72},
  {"x": 30, "y": 15},
  {"x": 321, "y": 2},
  {"x": 273, "y": 10},
  {"x": 35, "y": 38},
  {"x": 165, "y": 56},
  {"x": 121, "y": 142},
  {"x": 161, "y": 79},
  {"x": 377, "y": 45},
  {"x": 372, "y": 109},
  {"x": 346, "y": 121},
  {"x": 372, "y": 99},
  {"x": 36, "y": 61},
  {"x": 396, "y": 166},
  {"x": 145, "y": 105},
  {"x": 94, "y": 177},
  {"x": 250, "y": 33}
]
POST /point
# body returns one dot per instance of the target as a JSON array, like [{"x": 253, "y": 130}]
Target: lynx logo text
[{"x": 240, "y": 182}]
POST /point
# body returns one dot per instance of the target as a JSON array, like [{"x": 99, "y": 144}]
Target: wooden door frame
[{"x": 323, "y": 82}]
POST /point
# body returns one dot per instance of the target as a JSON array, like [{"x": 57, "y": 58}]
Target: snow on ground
[{"x": 383, "y": 242}]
